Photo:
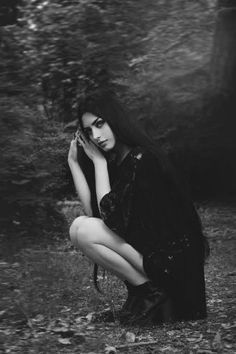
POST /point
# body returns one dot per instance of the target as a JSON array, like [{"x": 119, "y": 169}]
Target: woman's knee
[
  {"x": 89, "y": 230},
  {"x": 84, "y": 231},
  {"x": 75, "y": 227}
]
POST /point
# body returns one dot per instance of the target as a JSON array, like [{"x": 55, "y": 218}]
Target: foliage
[
  {"x": 8, "y": 12},
  {"x": 141, "y": 50},
  {"x": 33, "y": 169},
  {"x": 154, "y": 54},
  {"x": 49, "y": 302}
]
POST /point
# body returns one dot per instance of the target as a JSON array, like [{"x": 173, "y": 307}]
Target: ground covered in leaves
[{"x": 48, "y": 301}]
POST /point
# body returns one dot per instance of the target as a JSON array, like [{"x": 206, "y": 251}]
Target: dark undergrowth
[{"x": 48, "y": 301}]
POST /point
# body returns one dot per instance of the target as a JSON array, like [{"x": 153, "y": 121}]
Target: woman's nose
[{"x": 96, "y": 134}]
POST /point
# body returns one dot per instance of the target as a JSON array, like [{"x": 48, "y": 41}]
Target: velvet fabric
[{"x": 145, "y": 208}]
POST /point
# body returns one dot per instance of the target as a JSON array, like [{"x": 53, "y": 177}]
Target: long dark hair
[{"x": 107, "y": 106}]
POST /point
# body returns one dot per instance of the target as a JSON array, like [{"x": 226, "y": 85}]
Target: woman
[{"x": 139, "y": 222}]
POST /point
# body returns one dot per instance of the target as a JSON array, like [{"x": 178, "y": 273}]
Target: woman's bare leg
[{"x": 107, "y": 249}]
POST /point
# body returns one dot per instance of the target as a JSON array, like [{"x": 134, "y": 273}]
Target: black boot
[
  {"x": 126, "y": 309},
  {"x": 148, "y": 301},
  {"x": 124, "y": 312}
]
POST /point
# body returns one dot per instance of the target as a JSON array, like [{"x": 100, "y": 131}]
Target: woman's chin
[{"x": 108, "y": 147}]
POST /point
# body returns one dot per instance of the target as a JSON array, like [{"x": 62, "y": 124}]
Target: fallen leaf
[
  {"x": 78, "y": 319},
  {"x": 2, "y": 312},
  {"x": 195, "y": 340},
  {"x": 65, "y": 341},
  {"x": 59, "y": 329},
  {"x": 171, "y": 333},
  {"x": 110, "y": 350},
  {"x": 168, "y": 349},
  {"x": 2, "y": 263},
  {"x": 26, "y": 336},
  {"x": 38, "y": 318},
  {"x": 228, "y": 325},
  {"x": 130, "y": 337},
  {"x": 228, "y": 346},
  {"x": 91, "y": 328},
  {"x": 23, "y": 181},
  {"x": 63, "y": 323},
  {"x": 216, "y": 343},
  {"x": 66, "y": 309},
  {"x": 89, "y": 316}
]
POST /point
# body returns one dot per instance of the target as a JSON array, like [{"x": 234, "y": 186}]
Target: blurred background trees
[{"x": 172, "y": 63}]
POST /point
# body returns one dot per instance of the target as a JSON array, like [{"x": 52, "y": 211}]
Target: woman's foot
[
  {"x": 126, "y": 309},
  {"x": 146, "y": 306}
]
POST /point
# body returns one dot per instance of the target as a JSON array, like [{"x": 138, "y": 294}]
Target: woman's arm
[
  {"x": 102, "y": 180},
  {"x": 79, "y": 179}
]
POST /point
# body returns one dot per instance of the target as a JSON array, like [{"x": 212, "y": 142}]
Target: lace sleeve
[
  {"x": 112, "y": 213},
  {"x": 116, "y": 206}
]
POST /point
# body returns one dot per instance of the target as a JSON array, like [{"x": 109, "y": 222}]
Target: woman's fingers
[
  {"x": 79, "y": 138},
  {"x": 78, "y": 142},
  {"x": 80, "y": 134}
]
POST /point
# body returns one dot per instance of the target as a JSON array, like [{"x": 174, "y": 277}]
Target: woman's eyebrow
[{"x": 93, "y": 123}]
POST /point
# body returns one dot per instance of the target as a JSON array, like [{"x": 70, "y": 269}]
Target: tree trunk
[
  {"x": 8, "y": 12},
  {"x": 224, "y": 51}
]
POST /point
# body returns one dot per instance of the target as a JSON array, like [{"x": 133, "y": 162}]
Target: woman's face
[{"x": 98, "y": 131}]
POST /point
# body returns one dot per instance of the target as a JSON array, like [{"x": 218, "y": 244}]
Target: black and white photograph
[{"x": 118, "y": 176}]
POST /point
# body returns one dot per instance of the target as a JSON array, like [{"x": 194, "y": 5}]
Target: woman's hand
[
  {"x": 89, "y": 147},
  {"x": 80, "y": 182},
  {"x": 73, "y": 152}
]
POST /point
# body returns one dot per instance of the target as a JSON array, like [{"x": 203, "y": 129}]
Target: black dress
[{"x": 145, "y": 208}]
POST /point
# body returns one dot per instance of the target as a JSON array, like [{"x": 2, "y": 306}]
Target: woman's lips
[{"x": 102, "y": 143}]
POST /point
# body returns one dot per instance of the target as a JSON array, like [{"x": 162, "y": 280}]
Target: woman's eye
[{"x": 100, "y": 123}]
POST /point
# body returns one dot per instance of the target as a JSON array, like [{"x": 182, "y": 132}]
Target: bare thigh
[{"x": 86, "y": 231}]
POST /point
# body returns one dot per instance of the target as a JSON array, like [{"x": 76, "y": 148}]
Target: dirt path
[{"x": 48, "y": 300}]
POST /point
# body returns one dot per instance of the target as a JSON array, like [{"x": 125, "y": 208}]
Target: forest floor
[{"x": 48, "y": 301}]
